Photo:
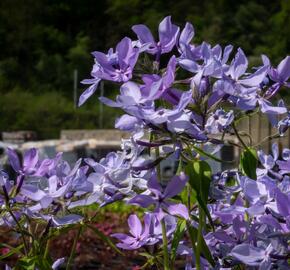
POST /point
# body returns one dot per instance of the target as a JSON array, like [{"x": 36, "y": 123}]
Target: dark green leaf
[
  {"x": 206, "y": 154},
  {"x": 178, "y": 234},
  {"x": 199, "y": 173},
  {"x": 12, "y": 251},
  {"x": 249, "y": 162},
  {"x": 193, "y": 234}
]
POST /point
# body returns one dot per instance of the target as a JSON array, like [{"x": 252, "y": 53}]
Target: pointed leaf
[
  {"x": 249, "y": 162},
  {"x": 178, "y": 234},
  {"x": 199, "y": 173}
]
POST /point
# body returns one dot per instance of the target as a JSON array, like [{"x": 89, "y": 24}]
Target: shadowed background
[{"x": 43, "y": 42}]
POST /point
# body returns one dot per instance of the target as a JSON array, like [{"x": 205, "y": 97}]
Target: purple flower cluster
[
  {"x": 217, "y": 221},
  {"x": 42, "y": 189},
  {"x": 212, "y": 80},
  {"x": 252, "y": 216}
]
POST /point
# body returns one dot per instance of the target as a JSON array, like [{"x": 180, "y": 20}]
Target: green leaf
[
  {"x": 12, "y": 251},
  {"x": 26, "y": 263},
  {"x": 54, "y": 232},
  {"x": 105, "y": 238},
  {"x": 199, "y": 173},
  {"x": 193, "y": 234},
  {"x": 146, "y": 255},
  {"x": 204, "y": 153},
  {"x": 34, "y": 262},
  {"x": 178, "y": 234},
  {"x": 249, "y": 162}
]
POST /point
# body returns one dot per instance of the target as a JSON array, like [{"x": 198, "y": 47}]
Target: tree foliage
[{"x": 42, "y": 42}]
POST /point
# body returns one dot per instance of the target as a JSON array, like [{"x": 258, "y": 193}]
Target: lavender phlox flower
[
  {"x": 59, "y": 182},
  {"x": 242, "y": 89},
  {"x": 252, "y": 100},
  {"x": 219, "y": 189},
  {"x": 184, "y": 122},
  {"x": 268, "y": 161},
  {"x": 279, "y": 75},
  {"x": 271, "y": 111},
  {"x": 31, "y": 164},
  {"x": 57, "y": 263},
  {"x": 283, "y": 203},
  {"x": 113, "y": 174},
  {"x": 150, "y": 234},
  {"x": 140, "y": 109},
  {"x": 129, "y": 123},
  {"x": 79, "y": 183},
  {"x": 222, "y": 55},
  {"x": 161, "y": 115},
  {"x": 229, "y": 212},
  {"x": 254, "y": 191},
  {"x": 283, "y": 125},
  {"x": 219, "y": 121},
  {"x": 30, "y": 161},
  {"x": 237, "y": 232},
  {"x": 200, "y": 87},
  {"x": 115, "y": 66},
  {"x": 168, "y": 34},
  {"x": 282, "y": 73},
  {"x": 130, "y": 97},
  {"x": 245, "y": 92},
  {"x": 139, "y": 234},
  {"x": 185, "y": 38},
  {"x": 184, "y": 250},
  {"x": 161, "y": 198},
  {"x": 131, "y": 149},
  {"x": 284, "y": 185},
  {"x": 66, "y": 220},
  {"x": 155, "y": 232},
  {"x": 253, "y": 256},
  {"x": 286, "y": 154},
  {"x": 146, "y": 111},
  {"x": 284, "y": 165},
  {"x": 109, "y": 171},
  {"x": 54, "y": 191},
  {"x": 142, "y": 95},
  {"x": 239, "y": 67},
  {"x": 155, "y": 86},
  {"x": 210, "y": 65},
  {"x": 56, "y": 220}
]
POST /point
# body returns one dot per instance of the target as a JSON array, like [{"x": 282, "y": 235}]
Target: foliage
[
  {"x": 43, "y": 43},
  {"x": 48, "y": 113},
  {"x": 216, "y": 219}
]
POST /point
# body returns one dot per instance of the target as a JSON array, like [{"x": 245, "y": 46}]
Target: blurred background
[
  {"x": 45, "y": 48},
  {"x": 45, "y": 45}
]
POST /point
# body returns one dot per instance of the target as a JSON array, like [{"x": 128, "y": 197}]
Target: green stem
[
  {"x": 238, "y": 136},
  {"x": 157, "y": 152},
  {"x": 165, "y": 246},
  {"x": 164, "y": 236},
  {"x": 268, "y": 138},
  {"x": 47, "y": 246},
  {"x": 20, "y": 230},
  {"x": 199, "y": 238},
  {"x": 73, "y": 249},
  {"x": 192, "y": 236}
]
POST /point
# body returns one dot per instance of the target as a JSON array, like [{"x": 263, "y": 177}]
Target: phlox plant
[{"x": 178, "y": 99}]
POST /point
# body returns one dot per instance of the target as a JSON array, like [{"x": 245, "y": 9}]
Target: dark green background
[{"x": 43, "y": 41}]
